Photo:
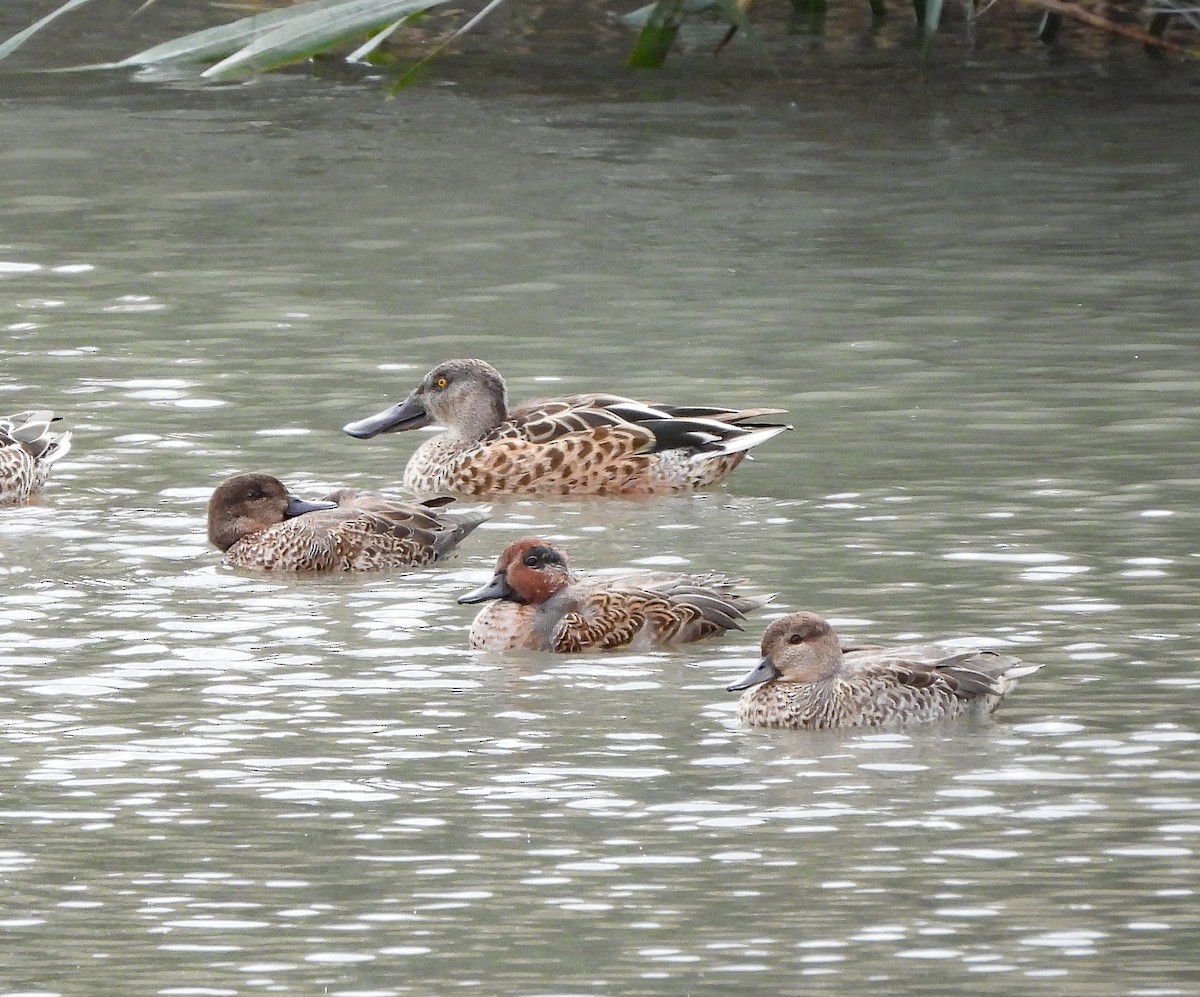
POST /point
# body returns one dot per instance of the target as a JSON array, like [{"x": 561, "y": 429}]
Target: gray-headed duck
[{"x": 591, "y": 444}]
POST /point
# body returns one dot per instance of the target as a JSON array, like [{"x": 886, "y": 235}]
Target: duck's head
[
  {"x": 248, "y": 503},
  {"x": 800, "y": 647},
  {"x": 468, "y": 397},
  {"x": 528, "y": 571}
]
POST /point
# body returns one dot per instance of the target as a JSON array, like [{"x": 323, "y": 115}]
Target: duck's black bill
[
  {"x": 497, "y": 588},
  {"x": 764, "y": 671},
  {"x": 409, "y": 414},
  {"x": 298, "y": 507}
]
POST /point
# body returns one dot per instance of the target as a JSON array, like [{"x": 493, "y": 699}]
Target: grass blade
[
  {"x": 372, "y": 43},
  {"x": 1073, "y": 10},
  {"x": 302, "y": 37},
  {"x": 226, "y": 39},
  {"x": 21, "y": 37},
  {"x": 929, "y": 26},
  {"x": 411, "y": 74},
  {"x": 657, "y": 36}
]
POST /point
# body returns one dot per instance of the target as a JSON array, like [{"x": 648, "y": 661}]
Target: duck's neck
[
  {"x": 488, "y": 412},
  {"x": 225, "y": 534}
]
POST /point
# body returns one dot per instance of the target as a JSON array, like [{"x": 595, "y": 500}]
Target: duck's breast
[{"x": 507, "y": 626}]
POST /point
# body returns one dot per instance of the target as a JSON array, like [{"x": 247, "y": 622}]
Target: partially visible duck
[
  {"x": 807, "y": 680},
  {"x": 258, "y": 524},
  {"x": 27, "y": 449},
  {"x": 540, "y": 605},
  {"x": 593, "y": 444}
]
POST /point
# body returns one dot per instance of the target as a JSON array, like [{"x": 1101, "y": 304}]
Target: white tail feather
[
  {"x": 58, "y": 449},
  {"x": 745, "y": 441}
]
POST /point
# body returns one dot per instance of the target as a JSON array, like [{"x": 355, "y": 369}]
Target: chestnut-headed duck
[{"x": 539, "y": 604}]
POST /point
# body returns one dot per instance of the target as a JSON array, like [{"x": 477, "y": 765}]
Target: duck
[
  {"x": 538, "y": 604},
  {"x": 808, "y": 680},
  {"x": 259, "y": 524},
  {"x": 587, "y": 444},
  {"x": 28, "y": 448}
]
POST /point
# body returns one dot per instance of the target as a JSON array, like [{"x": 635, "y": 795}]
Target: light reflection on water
[{"x": 222, "y": 783}]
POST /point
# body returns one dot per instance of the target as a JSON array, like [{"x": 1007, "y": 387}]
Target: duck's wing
[
  {"x": 659, "y": 608},
  {"x": 426, "y": 529},
  {"x": 551, "y": 419},
  {"x": 733, "y": 416},
  {"x": 966, "y": 674},
  {"x": 604, "y": 618},
  {"x": 985, "y": 672},
  {"x": 716, "y": 596},
  {"x": 699, "y": 430}
]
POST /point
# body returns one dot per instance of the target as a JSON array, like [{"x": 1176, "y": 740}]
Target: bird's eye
[
  {"x": 795, "y": 639},
  {"x": 531, "y": 560},
  {"x": 441, "y": 382}
]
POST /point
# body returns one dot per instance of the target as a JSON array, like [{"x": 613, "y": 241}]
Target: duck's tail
[
  {"x": 32, "y": 430},
  {"x": 742, "y": 441}
]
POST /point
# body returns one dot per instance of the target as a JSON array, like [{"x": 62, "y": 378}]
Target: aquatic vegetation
[
  {"x": 264, "y": 41},
  {"x": 289, "y": 34}
]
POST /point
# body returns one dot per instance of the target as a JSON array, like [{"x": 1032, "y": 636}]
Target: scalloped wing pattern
[{"x": 369, "y": 533}]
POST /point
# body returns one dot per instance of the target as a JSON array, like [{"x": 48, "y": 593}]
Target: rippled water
[{"x": 981, "y": 318}]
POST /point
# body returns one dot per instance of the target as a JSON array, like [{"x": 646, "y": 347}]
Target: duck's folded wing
[
  {"x": 612, "y": 618},
  {"x": 555, "y": 419},
  {"x": 731, "y": 415},
  {"x": 967, "y": 674},
  {"x": 31, "y": 431},
  {"x": 715, "y": 595},
  {"x": 422, "y": 532},
  {"x": 614, "y": 613}
]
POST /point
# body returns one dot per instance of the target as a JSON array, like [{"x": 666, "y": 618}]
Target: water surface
[{"x": 980, "y": 315}]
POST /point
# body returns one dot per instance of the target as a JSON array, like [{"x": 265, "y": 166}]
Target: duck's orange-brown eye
[
  {"x": 531, "y": 560},
  {"x": 441, "y": 382},
  {"x": 795, "y": 639}
]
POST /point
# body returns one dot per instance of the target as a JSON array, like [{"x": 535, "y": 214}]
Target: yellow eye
[{"x": 441, "y": 382}]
